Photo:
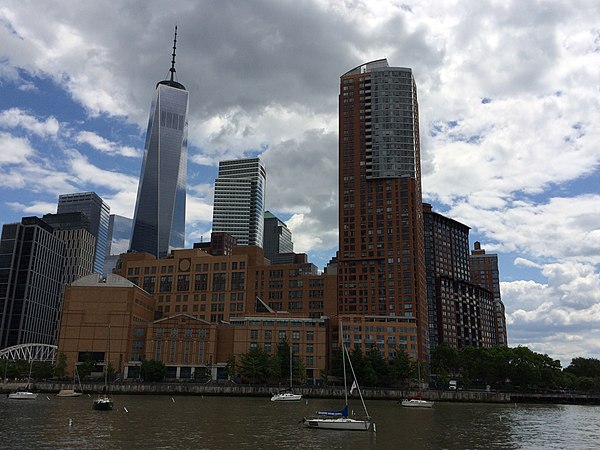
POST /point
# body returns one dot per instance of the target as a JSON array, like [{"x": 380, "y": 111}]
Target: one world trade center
[{"x": 159, "y": 220}]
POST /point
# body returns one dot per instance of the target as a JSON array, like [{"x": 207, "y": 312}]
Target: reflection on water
[{"x": 256, "y": 423}]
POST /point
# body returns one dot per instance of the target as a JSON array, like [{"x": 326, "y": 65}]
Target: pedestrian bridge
[{"x": 29, "y": 352}]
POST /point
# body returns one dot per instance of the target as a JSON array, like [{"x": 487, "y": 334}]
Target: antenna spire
[{"x": 172, "y": 69}]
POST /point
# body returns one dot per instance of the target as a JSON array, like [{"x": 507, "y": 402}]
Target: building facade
[
  {"x": 159, "y": 220},
  {"x": 485, "y": 273},
  {"x": 119, "y": 239},
  {"x": 380, "y": 263},
  {"x": 80, "y": 244},
  {"x": 277, "y": 237},
  {"x": 31, "y": 289},
  {"x": 460, "y": 312},
  {"x": 239, "y": 200},
  {"x": 98, "y": 213}
]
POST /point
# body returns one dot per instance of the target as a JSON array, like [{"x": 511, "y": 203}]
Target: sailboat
[
  {"x": 287, "y": 395},
  {"x": 104, "y": 402},
  {"x": 340, "y": 420},
  {"x": 72, "y": 392},
  {"x": 24, "y": 393},
  {"x": 415, "y": 401}
]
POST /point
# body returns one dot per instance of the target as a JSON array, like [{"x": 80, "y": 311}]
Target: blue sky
[{"x": 509, "y": 106}]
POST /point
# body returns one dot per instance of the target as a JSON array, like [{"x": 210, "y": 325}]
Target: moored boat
[{"x": 417, "y": 403}]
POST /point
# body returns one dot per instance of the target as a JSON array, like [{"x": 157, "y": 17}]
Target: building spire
[
  {"x": 171, "y": 80},
  {"x": 172, "y": 69}
]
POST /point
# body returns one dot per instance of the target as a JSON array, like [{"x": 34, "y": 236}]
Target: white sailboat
[
  {"x": 24, "y": 393},
  {"x": 72, "y": 392},
  {"x": 340, "y": 420},
  {"x": 287, "y": 395}
]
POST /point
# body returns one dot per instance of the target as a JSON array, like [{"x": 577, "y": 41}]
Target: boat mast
[
  {"x": 291, "y": 368},
  {"x": 357, "y": 385},
  {"x": 344, "y": 362}
]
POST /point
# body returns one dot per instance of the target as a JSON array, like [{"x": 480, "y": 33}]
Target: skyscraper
[
  {"x": 277, "y": 237},
  {"x": 485, "y": 273},
  {"x": 381, "y": 265},
  {"x": 239, "y": 203},
  {"x": 31, "y": 289},
  {"x": 98, "y": 213},
  {"x": 159, "y": 220},
  {"x": 460, "y": 313},
  {"x": 74, "y": 230},
  {"x": 119, "y": 238}
]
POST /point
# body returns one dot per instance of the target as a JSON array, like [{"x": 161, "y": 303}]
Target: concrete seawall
[
  {"x": 235, "y": 390},
  {"x": 264, "y": 391}
]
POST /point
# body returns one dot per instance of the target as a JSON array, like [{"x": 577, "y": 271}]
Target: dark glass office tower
[
  {"x": 31, "y": 289},
  {"x": 381, "y": 263},
  {"x": 159, "y": 220},
  {"x": 98, "y": 213}
]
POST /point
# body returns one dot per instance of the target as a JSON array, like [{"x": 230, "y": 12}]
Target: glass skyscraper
[
  {"x": 239, "y": 204},
  {"x": 98, "y": 213},
  {"x": 159, "y": 220}
]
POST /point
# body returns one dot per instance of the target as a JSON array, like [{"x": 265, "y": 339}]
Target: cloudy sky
[{"x": 508, "y": 94}]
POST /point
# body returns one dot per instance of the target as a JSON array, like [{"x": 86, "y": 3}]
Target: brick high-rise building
[
  {"x": 381, "y": 264},
  {"x": 485, "y": 273},
  {"x": 460, "y": 313}
]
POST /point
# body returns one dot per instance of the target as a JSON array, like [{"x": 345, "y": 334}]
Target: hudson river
[{"x": 195, "y": 422}]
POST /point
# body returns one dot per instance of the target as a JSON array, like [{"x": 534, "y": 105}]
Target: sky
[{"x": 509, "y": 92}]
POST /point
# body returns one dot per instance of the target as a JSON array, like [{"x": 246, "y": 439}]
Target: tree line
[{"x": 499, "y": 368}]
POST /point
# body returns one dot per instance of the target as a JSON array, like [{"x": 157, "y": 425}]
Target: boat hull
[
  {"x": 338, "y": 424},
  {"x": 417, "y": 403},
  {"x": 69, "y": 393},
  {"x": 286, "y": 397},
  {"x": 22, "y": 395},
  {"x": 103, "y": 404}
]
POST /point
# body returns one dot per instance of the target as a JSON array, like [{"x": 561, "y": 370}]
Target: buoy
[
  {"x": 173, "y": 399},
  {"x": 70, "y": 421},
  {"x": 125, "y": 409},
  {"x": 47, "y": 398},
  {"x": 307, "y": 402},
  {"x": 374, "y": 429}
]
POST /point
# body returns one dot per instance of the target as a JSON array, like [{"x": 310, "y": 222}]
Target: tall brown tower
[{"x": 381, "y": 264}]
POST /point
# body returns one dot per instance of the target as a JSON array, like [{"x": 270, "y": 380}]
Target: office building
[
  {"x": 380, "y": 262},
  {"x": 159, "y": 220},
  {"x": 239, "y": 202},
  {"x": 119, "y": 238},
  {"x": 277, "y": 237},
  {"x": 97, "y": 211},
  {"x": 485, "y": 273},
  {"x": 80, "y": 244},
  {"x": 31, "y": 289},
  {"x": 460, "y": 313}
]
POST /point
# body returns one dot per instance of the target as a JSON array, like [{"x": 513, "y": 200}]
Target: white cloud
[
  {"x": 15, "y": 117},
  {"x": 14, "y": 150},
  {"x": 105, "y": 146}
]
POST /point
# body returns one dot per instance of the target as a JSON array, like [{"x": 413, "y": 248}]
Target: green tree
[
  {"x": 254, "y": 365},
  {"x": 86, "y": 367},
  {"x": 584, "y": 367},
  {"x": 400, "y": 367},
  {"x": 61, "y": 365},
  {"x": 152, "y": 370}
]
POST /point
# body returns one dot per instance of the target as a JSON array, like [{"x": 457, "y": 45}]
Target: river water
[{"x": 195, "y": 422}]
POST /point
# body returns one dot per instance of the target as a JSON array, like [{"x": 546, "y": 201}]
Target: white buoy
[
  {"x": 70, "y": 421},
  {"x": 374, "y": 429},
  {"x": 173, "y": 399},
  {"x": 47, "y": 398},
  {"x": 125, "y": 409},
  {"x": 307, "y": 402}
]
